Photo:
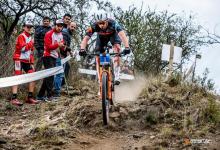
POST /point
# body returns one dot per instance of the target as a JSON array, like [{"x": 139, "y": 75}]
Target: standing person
[
  {"x": 107, "y": 30},
  {"x": 66, "y": 20},
  {"x": 40, "y": 32},
  {"x": 23, "y": 60},
  {"x": 67, "y": 35},
  {"x": 53, "y": 44}
]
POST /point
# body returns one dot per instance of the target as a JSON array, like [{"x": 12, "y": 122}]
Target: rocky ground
[{"x": 146, "y": 115}]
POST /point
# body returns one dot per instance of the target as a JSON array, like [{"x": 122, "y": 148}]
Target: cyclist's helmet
[{"x": 100, "y": 16}]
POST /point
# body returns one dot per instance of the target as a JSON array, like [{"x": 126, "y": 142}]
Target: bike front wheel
[{"x": 105, "y": 101}]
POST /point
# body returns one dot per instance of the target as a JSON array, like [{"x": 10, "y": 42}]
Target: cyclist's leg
[{"x": 116, "y": 42}]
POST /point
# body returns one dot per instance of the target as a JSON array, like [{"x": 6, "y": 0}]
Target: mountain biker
[{"x": 107, "y": 30}]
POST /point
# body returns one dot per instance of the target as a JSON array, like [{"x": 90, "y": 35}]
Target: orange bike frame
[{"x": 108, "y": 71}]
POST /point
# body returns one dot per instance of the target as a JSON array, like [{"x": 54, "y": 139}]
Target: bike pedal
[{"x": 117, "y": 82}]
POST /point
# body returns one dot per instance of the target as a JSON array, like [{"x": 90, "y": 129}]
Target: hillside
[{"x": 148, "y": 114}]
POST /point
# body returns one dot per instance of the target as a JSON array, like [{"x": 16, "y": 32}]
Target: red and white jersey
[
  {"x": 24, "y": 48},
  {"x": 51, "y": 46}
]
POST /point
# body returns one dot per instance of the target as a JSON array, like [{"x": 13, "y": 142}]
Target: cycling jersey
[
  {"x": 104, "y": 36},
  {"x": 113, "y": 27}
]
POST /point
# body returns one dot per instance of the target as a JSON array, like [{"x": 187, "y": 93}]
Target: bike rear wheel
[{"x": 105, "y": 101}]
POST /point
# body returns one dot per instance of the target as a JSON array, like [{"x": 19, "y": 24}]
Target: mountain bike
[{"x": 106, "y": 76}]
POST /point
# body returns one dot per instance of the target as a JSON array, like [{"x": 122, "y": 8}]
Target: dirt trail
[{"x": 152, "y": 120}]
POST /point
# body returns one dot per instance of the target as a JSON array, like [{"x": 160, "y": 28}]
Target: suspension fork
[{"x": 100, "y": 70}]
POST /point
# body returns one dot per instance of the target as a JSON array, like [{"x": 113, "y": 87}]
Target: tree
[
  {"x": 11, "y": 12},
  {"x": 148, "y": 30}
]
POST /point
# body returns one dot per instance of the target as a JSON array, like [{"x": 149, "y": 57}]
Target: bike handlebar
[{"x": 111, "y": 54}]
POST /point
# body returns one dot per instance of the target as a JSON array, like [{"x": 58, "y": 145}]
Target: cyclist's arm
[
  {"x": 124, "y": 38},
  {"x": 89, "y": 33},
  {"x": 121, "y": 33},
  {"x": 84, "y": 42}
]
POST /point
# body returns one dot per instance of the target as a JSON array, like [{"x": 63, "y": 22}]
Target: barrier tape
[
  {"x": 26, "y": 78},
  {"x": 93, "y": 72},
  {"x": 63, "y": 61}
]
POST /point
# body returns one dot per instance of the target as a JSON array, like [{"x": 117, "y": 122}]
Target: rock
[
  {"x": 114, "y": 115},
  {"x": 74, "y": 92},
  {"x": 86, "y": 89},
  {"x": 152, "y": 137},
  {"x": 90, "y": 96},
  {"x": 70, "y": 88},
  {"x": 24, "y": 116},
  {"x": 55, "y": 113},
  {"x": 20, "y": 127},
  {"x": 2, "y": 141},
  {"x": 138, "y": 135},
  {"x": 123, "y": 111}
]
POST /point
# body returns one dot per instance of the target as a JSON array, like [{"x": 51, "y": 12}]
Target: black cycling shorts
[
  {"x": 102, "y": 41},
  {"x": 19, "y": 66}
]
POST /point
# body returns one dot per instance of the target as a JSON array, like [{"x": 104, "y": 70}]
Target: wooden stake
[
  {"x": 170, "y": 71},
  {"x": 171, "y": 58}
]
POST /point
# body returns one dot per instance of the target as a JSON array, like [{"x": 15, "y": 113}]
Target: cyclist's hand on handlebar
[
  {"x": 127, "y": 50},
  {"x": 82, "y": 52}
]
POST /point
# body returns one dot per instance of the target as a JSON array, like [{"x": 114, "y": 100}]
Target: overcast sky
[{"x": 207, "y": 14}]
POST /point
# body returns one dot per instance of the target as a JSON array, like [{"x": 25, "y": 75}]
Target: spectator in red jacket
[
  {"x": 24, "y": 59},
  {"x": 53, "y": 43}
]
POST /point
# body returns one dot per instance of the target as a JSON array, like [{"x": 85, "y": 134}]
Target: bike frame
[
  {"x": 105, "y": 70},
  {"x": 105, "y": 67}
]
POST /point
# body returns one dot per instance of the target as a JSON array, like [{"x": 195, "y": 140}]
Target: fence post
[
  {"x": 198, "y": 56},
  {"x": 170, "y": 71}
]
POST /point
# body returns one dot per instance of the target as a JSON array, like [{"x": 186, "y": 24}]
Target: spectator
[
  {"x": 67, "y": 35},
  {"x": 66, "y": 20},
  {"x": 24, "y": 59},
  {"x": 40, "y": 32},
  {"x": 53, "y": 43}
]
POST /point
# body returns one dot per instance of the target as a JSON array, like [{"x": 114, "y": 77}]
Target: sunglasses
[{"x": 101, "y": 23}]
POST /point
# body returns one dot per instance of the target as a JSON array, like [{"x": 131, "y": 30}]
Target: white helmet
[{"x": 102, "y": 15}]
